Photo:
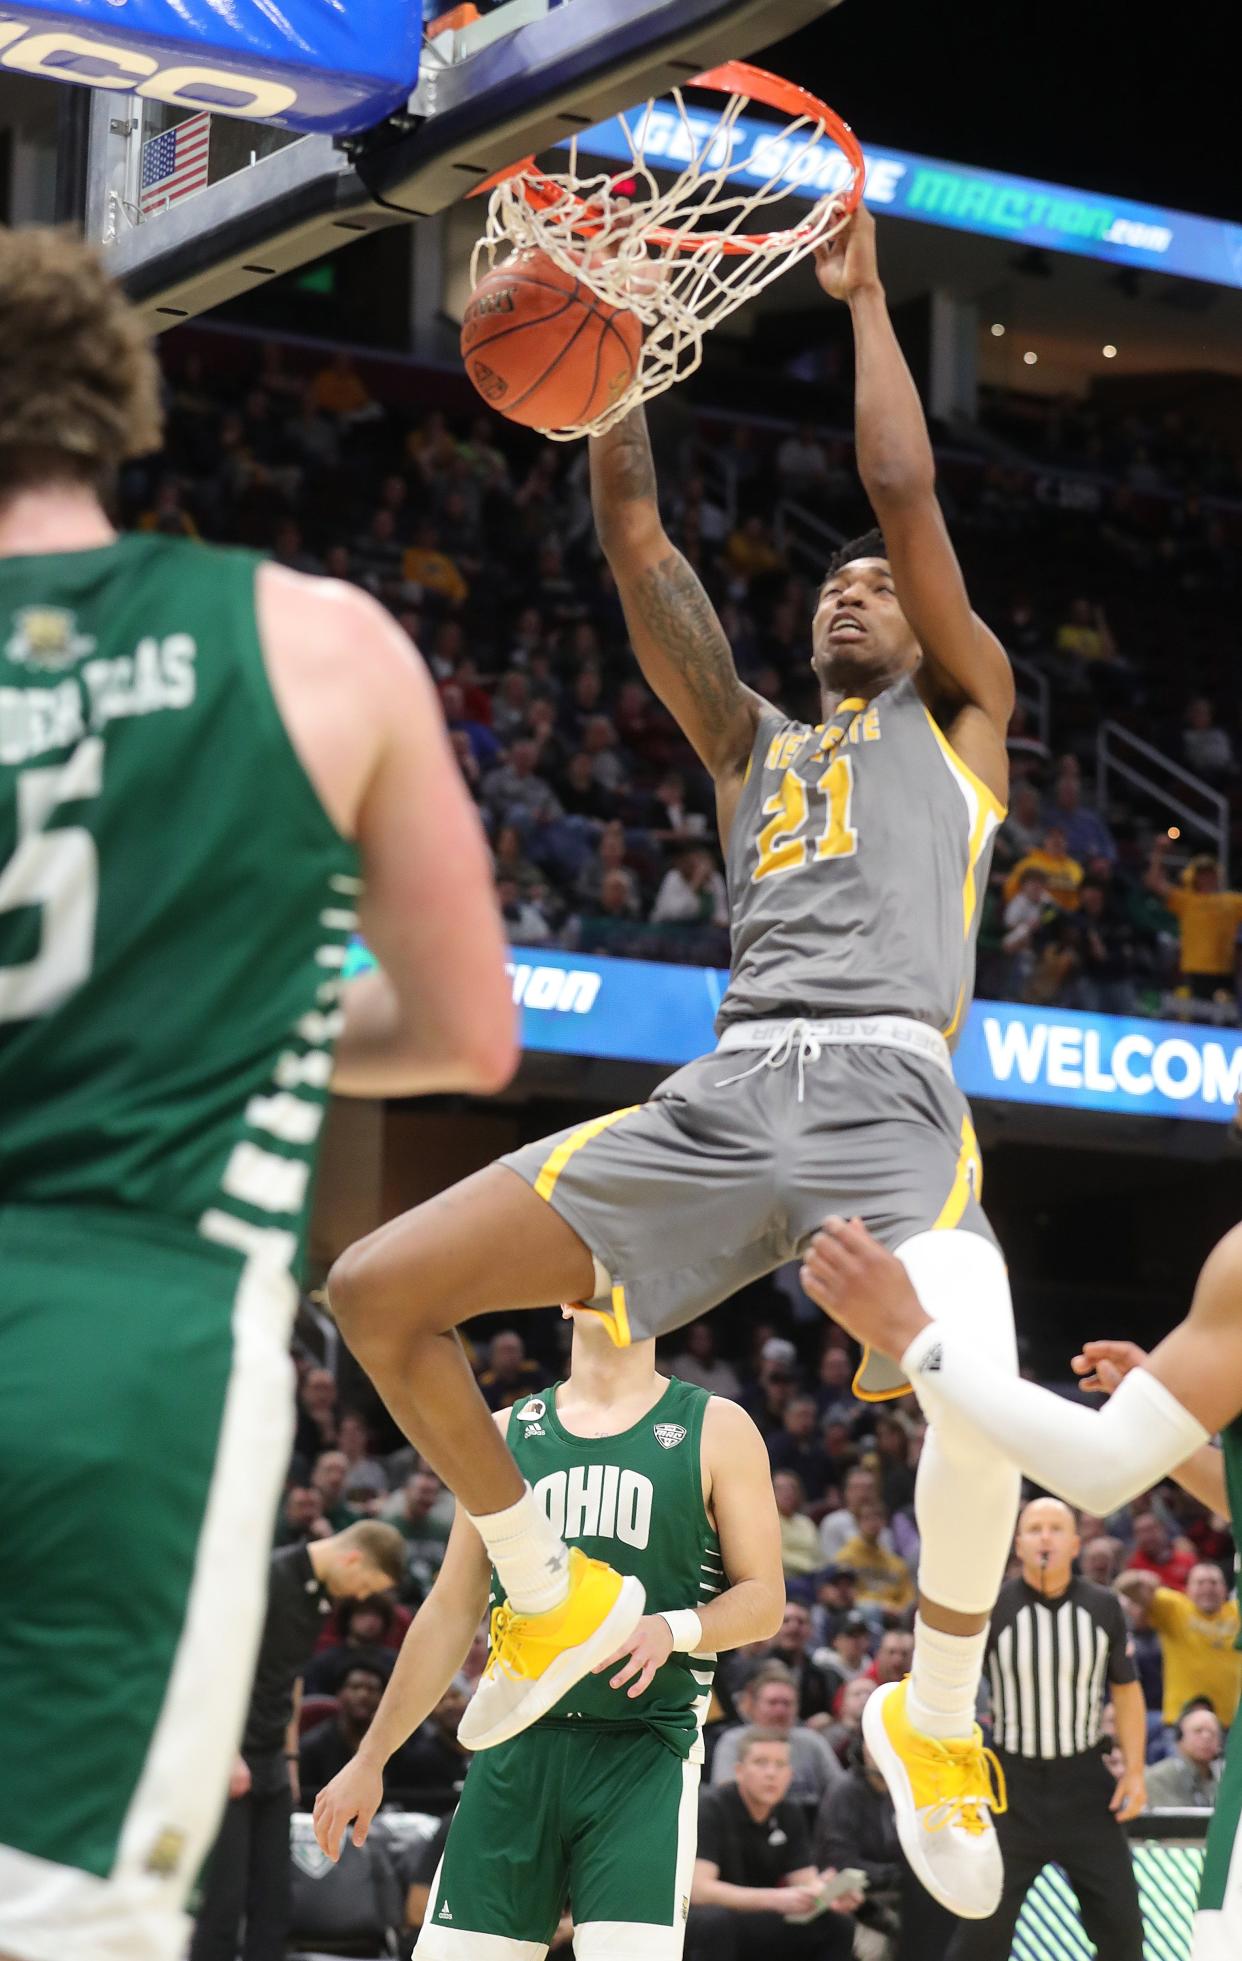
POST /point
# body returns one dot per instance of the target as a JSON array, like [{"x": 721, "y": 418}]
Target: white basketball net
[{"x": 682, "y": 284}]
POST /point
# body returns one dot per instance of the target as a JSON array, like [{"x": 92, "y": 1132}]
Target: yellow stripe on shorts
[
  {"x": 545, "y": 1183},
  {"x": 967, "y": 1180}
]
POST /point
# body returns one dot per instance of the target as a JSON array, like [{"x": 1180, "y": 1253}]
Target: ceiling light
[
  {"x": 1109, "y": 351},
  {"x": 997, "y": 329},
  {"x": 1030, "y": 357}
]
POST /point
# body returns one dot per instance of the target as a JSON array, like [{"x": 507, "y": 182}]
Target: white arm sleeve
[{"x": 1096, "y": 1458}]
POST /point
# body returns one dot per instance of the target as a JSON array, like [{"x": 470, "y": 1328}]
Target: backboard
[{"x": 196, "y": 200}]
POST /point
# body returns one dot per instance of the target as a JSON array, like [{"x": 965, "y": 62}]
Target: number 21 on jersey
[{"x": 789, "y": 839}]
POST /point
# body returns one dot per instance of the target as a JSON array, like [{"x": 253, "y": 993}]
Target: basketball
[{"x": 542, "y": 349}]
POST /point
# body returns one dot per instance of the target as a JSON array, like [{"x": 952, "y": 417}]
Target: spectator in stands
[
  {"x": 433, "y": 1763},
  {"x": 1062, "y": 873},
  {"x": 1026, "y": 913},
  {"x": 839, "y": 1527},
  {"x": 834, "y": 1599},
  {"x": 1085, "y": 832},
  {"x": 754, "y": 1867},
  {"x": 844, "y": 1734},
  {"x": 365, "y": 1627},
  {"x": 1208, "y": 919},
  {"x": 168, "y": 514},
  {"x": 1106, "y": 954},
  {"x": 777, "y": 1379},
  {"x": 750, "y": 553},
  {"x": 692, "y": 892},
  {"x": 1101, "y": 1559},
  {"x": 1154, "y": 1552},
  {"x": 796, "y": 1446},
  {"x": 1085, "y": 639},
  {"x": 422, "y": 1523},
  {"x": 837, "y": 1401},
  {"x": 1190, "y": 1778},
  {"x": 801, "y": 464},
  {"x": 612, "y": 926},
  {"x": 301, "y": 1517},
  {"x": 800, "y": 1553},
  {"x": 1198, "y": 1632},
  {"x": 770, "y": 1700},
  {"x": 848, "y": 1654},
  {"x": 1207, "y": 750},
  {"x": 793, "y": 1646},
  {"x": 884, "y": 1583},
  {"x": 1023, "y": 830},
  {"x": 856, "y": 1831},
  {"x": 510, "y": 1374},
  {"x": 699, "y": 1363},
  {"x": 515, "y": 794},
  {"x": 427, "y": 565},
  {"x": 328, "y": 1480},
  {"x": 893, "y": 1435},
  {"x": 526, "y": 923},
  {"x": 893, "y": 1656},
  {"x": 339, "y": 390},
  {"x": 354, "y": 1441},
  {"x": 331, "y": 1744},
  {"x": 510, "y": 862}
]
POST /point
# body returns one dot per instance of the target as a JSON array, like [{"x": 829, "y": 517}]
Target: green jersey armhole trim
[{"x": 254, "y": 661}]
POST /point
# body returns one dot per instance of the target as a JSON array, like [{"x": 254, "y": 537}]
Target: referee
[{"x": 1056, "y": 1649}]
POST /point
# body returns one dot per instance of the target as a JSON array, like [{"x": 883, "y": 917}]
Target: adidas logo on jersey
[
  {"x": 534, "y": 1430},
  {"x": 444, "y": 1913},
  {"x": 533, "y": 1411},
  {"x": 669, "y": 1435}
]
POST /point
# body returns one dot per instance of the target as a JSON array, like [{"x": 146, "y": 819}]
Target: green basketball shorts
[
  {"x": 600, "y": 1820},
  {"x": 1218, "y": 1923},
  {"x": 146, "y": 1414}
]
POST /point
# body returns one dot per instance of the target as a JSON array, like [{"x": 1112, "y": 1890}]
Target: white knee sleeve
[{"x": 966, "y": 1498}]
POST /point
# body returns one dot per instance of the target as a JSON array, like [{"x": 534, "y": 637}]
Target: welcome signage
[
  {"x": 641, "y": 1011},
  {"x": 304, "y": 64}
]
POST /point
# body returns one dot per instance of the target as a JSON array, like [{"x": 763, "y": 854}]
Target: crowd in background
[{"x": 1102, "y": 549}]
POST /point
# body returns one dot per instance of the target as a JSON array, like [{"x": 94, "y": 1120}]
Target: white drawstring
[{"x": 778, "y": 1052}]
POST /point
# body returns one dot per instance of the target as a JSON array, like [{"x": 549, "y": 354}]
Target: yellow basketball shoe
[
  {"x": 535, "y": 1659},
  {"x": 943, "y": 1794}
]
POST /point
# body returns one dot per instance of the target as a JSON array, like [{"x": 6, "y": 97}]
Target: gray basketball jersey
[{"x": 857, "y": 865}]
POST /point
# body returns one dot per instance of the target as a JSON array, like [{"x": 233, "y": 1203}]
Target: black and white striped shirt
[{"x": 1051, "y": 1663}]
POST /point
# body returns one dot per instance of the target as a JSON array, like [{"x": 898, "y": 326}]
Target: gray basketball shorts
[{"x": 737, "y": 1159}]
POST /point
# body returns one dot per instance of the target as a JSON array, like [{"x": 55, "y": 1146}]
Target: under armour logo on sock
[
  {"x": 557, "y": 1562},
  {"x": 932, "y": 1361}
]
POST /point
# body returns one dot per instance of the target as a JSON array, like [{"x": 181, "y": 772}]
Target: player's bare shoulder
[
  {"x": 344, "y": 676},
  {"x": 732, "y": 1445}
]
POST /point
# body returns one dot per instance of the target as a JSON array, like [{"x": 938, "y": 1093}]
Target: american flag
[{"x": 175, "y": 163}]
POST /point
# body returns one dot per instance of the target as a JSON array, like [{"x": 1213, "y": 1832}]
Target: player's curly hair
[
  {"x": 870, "y": 545},
  {"x": 79, "y": 383}
]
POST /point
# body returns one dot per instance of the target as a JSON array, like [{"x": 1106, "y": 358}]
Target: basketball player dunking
[{"x": 857, "y": 853}]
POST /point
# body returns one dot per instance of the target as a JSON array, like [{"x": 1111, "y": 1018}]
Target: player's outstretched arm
[
  {"x": 965, "y": 664},
  {"x": 363, "y": 716},
  {"x": 435, "y": 1646},
  {"x": 1190, "y": 1387},
  {"x": 1100, "y": 1366},
  {"x": 679, "y": 641}
]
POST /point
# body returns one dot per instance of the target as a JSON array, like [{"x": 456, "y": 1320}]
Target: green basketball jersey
[
  {"x": 175, "y": 903},
  {"x": 1231, "y": 1444},
  {"x": 636, "y": 1501}
]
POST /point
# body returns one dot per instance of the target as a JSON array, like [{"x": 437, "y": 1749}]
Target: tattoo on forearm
[
  {"x": 681, "y": 619},
  {"x": 621, "y": 463}
]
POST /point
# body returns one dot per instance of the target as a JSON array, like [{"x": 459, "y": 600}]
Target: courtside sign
[
  {"x": 305, "y": 64},
  {"x": 643, "y": 1011}
]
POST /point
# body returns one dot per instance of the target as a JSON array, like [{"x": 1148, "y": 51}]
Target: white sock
[
  {"x": 944, "y": 1680},
  {"x": 531, "y": 1559}
]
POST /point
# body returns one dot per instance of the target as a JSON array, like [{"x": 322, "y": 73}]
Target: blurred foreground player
[
  {"x": 211, "y": 770},
  {"x": 1163, "y": 1409},
  {"x": 857, "y": 853}
]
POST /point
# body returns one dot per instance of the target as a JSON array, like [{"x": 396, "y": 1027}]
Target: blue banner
[
  {"x": 641, "y": 1011},
  {"x": 305, "y": 64},
  {"x": 989, "y": 202}
]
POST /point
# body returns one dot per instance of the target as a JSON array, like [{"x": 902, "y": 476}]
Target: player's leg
[
  {"x": 501, "y": 1886},
  {"x": 634, "y": 1829},
  {"x": 1218, "y": 1923},
  {"x": 146, "y": 1408},
  {"x": 597, "y": 1213}
]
